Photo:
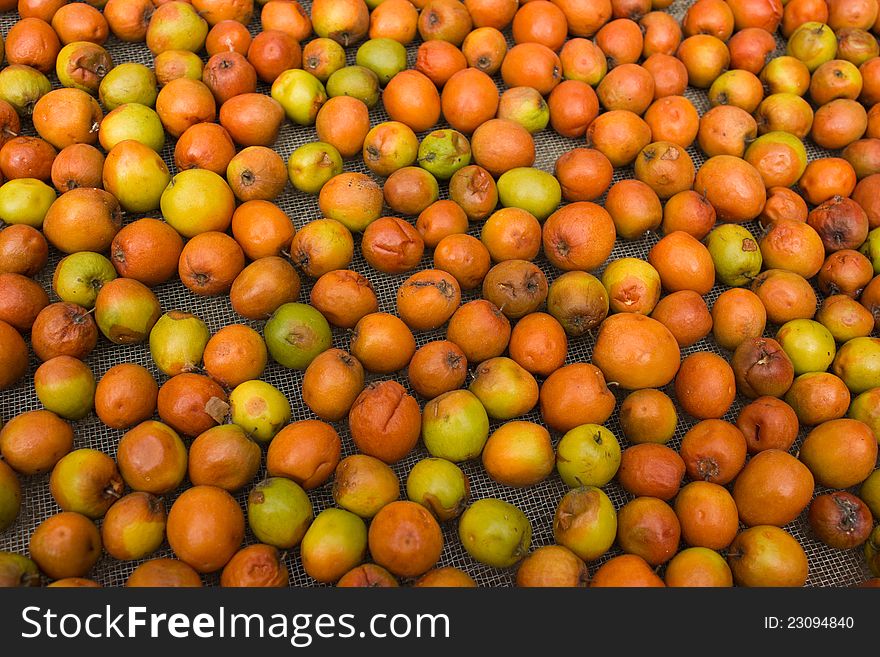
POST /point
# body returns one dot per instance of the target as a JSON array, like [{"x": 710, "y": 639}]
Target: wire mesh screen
[{"x": 828, "y": 567}]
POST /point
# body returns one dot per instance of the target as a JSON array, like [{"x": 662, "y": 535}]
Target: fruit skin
[
  {"x": 126, "y": 311},
  {"x": 865, "y": 408},
  {"x": 197, "y": 201},
  {"x": 495, "y": 532},
  {"x": 311, "y": 165},
  {"x": 259, "y": 408},
  {"x": 279, "y": 512},
  {"x": 205, "y": 528},
  {"x": 255, "y": 566},
  {"x": 65, "y": 545},
  {"x": 295, "y": 334},
  {"x": 840, "y": 453},
  {"x": 152, "y": 458},
  {"x": 10, "y": 497},
  {"x": 440, "y": 486},
  {"x": 335, "y": 543},
  {"x": 455, "y": 426},
  {"x": 872, "y": 552},
  {"x": 164, "y": 572},
  {"x": 585, "y": 522},
  {"x": 767, "y": 556},
  {"x": 588, "y": 455}
]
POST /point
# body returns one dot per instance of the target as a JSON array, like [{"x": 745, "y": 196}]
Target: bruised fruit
[
  {"x": 152, "y": 458},
  {"x": 405, "y": 538},
  {"x": 296, "y": 334},
  {"x": 652, "y": 470},
  {"x": 649, "y": 528},
  {"x": 385, "y": 421},
  {"x": 648, "y": 416},
  {"x": 225, "y": 457},
  {"x": 633, "y": 286},
  {"x": 306, "y": 451},
  {"x": 255, "y": 566},
  {"x": 578, "y": 301},
  {"x": 259, "y": 408},
  {"x": 363, "y": 485},
  {"x": 768, "y": 423},
  {"x": 552, "y": 565},
  {"x": 713, "y": 450},
  {"x": 585, "y": 522},
  {"x": 840, "y": 520}
]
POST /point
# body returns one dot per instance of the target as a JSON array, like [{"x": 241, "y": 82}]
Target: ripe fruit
[
  {"x": 86, "y": 481},
  {"x": 225, "y": 457},
  {"x": 636, "y": 351},
  {"x": 306, "y": 451},
  {"x": 205, "y": 527},
  {"x": 574, "y": 395},
  {"x": 152, "y": 458},
  {"x": 767, "y": 556},
  {"x": 772, "y": 489},
  {"x": 65, "y": 545},
  {"x": 648, "y": 416},
  {"x": 134, "y": 527},
  {"x": 405, "y": 538},
  {"x": 840, "y": 453}
]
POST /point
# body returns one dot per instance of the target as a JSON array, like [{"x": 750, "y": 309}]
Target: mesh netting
[{"x": 828, "y": 567}]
